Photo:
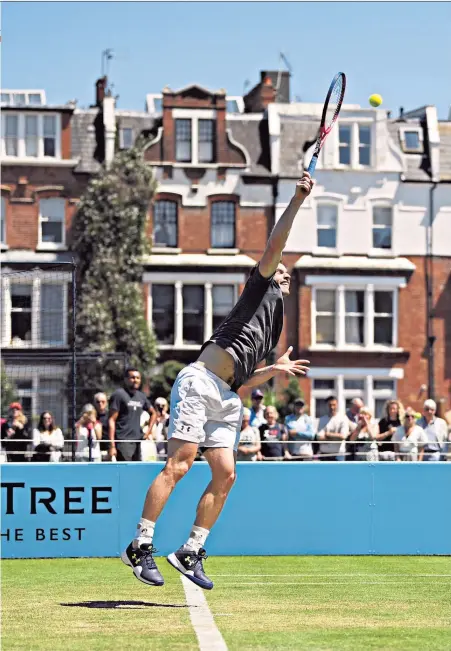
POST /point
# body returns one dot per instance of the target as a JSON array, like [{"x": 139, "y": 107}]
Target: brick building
[{"x": 365, "y": 247}]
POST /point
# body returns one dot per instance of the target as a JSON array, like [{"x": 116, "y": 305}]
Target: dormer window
[
  {"x": 412, "y": 140},
  {"x": 195, "y": 136}
]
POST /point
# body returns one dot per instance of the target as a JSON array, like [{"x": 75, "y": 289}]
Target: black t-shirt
[
  {"x": 103, "y": 420},
  {"x": 253, "y": 327},
  {"x": 130, "y": 407},
  {"x": 271, "y": 437},
  {"x": 384, "y": 426}
]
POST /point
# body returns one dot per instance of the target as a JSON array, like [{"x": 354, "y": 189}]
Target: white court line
[
  {"x": 339, "y": 576},
  {"x": 328, "y": 583},
  {"x": 208, "y": 635}
]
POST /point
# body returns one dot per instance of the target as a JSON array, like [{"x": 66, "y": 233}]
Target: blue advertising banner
[{"x": 91, "y": 510}]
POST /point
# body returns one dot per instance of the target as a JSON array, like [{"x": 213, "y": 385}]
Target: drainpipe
[{"x": 430, "y": 295}]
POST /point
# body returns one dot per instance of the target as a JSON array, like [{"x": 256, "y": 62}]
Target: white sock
[
  {"x": 144, "y": 533},
  {"x": 197, "y": 538}
]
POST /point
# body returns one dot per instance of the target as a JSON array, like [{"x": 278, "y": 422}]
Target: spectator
[
  {"x": 249, "y": 445},
  {"x": 353, "y": 415},
  {"x": 436, "y": 431},
  {"x": 257, "y": 409},
  {"x": 448, "y": 423},
  {"x": 333, "y": 430},
  {"x": 101, "y": 405},
  {"x": 300, "y": 434},
  {"x": 126, "y": 406},
  {"x": 272, "y": 436},
  {"x": 15, "y": 434},
  {"x": 48, "y": 440},
  {"x": 148, "y": 447},
  {"x": 160, "y": 428},
  {"x": 409, "y": 439},
  {"x": 365, "y": 433},
  {"x": 88, "y": 433},
  {"x": 392, "y": 419}
]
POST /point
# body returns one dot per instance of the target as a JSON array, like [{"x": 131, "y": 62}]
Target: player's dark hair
[{"x": 331, "y": 398}]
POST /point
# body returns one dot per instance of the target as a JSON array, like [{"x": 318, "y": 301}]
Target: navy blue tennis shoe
[
  {"x": 143, "y": 564},
  {"x": 190, "y": 564}
]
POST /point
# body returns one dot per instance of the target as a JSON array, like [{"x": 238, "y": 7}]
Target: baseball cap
[
  {"x": 256, "y": 393},
  {"x": 299, "y": 401},
  {"x": 15, "y": 405}
]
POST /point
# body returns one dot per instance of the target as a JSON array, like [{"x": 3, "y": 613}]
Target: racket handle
[{"x": 311, "y": 167}]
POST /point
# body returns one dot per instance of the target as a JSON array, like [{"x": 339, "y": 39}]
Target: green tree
[
  {"x": 8, "y": 390},
  {"x": 160, "y": 383},
  {"x": 109, "y": 238}
]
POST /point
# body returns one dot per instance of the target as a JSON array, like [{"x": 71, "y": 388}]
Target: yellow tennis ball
[{"x": 375, "y": 100}]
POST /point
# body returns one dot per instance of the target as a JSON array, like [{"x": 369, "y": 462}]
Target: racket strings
[{"x": 335, "y": 101}]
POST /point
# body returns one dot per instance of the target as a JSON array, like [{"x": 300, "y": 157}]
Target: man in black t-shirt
[
  {"x": 206, "y": 410},
  {"x": 126, "y": 406}
]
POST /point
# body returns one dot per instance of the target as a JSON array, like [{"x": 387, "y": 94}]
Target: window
[
  {"x": 354, "y": 144},
  {"x": 163, "y": 306},
  {"x": 344, "y": 132},
  {"x": 412, "y": 140},
  {"x": 125, "y": 138},
  {"x": 327, "y": 225},
  {"x": 41, "y": 389},
  {"x": 21, "y": 312},
  {"x": 49, "y": 135},
  {"x": 52, "y": 221},
  {"x": 223, "y": 224},
  {"x": 10, "y": 135},
  {"x": 193, "y": 314},
  {"x": 165, "y": 223},
  {"x": 183, "y": 140},
  {"x": 364, "y": 145},
  {"x": 186, "y": 308},
  {"x": 347, "y": 384},
  {"x": 50, "y": 397},
  {"x": 223, "y": 302},
  {"x": 23, "y": 98},
  {"x": 19, "y": 99},
  {"x": 354, "y": 317},
  {"x": 325, "y": 316},
  {"x": 34, "y": 311},
  {"x": 30, "y": 135},
  {"x": 3, "y": 222},
  {"x": 382, "y": 227},
  {"x": 35, "y": 99},
  {"x": 206, "y": 141}
]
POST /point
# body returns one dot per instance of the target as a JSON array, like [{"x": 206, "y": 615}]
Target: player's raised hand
[
  {"x": 304, "y": 186},
  {"x": 293, "y": 367}
]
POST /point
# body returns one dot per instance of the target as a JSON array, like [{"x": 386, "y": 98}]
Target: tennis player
[{"x": 206, "y": 410}]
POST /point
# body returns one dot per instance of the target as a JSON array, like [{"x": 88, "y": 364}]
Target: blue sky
[{"x": 398, "y": 49}]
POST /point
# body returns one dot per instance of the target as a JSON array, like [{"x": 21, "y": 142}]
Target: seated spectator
[
  {"x": 48, "y": 440},
  {"x": 436, "y": 431},
  {"x": 353, "y": 417},
  {"x": 15, "y": 434},
  {"x": 272, "y": 436},
  {"x": 333, "y": 430},
  {"x": 88, "y": 433},
  {"x": 257, "y": 409},
  {"x": 300, "y": 434},
  {"x": 364, "y": 433},
  {"x": 392, "y": 419},
  {"x": 160, "y": 429},
  {"x": 101, "y": 406},
  {"x": 409, "y": 439},
  {"x": 249, "y": 445}
]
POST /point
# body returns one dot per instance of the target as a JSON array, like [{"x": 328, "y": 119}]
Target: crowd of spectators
[{"x": 131, "y": 427}]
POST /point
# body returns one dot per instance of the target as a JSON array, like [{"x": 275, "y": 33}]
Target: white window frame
[
  {"x": 27, "y": 94},
  {"x": 151, "y": 97},
  {"x": 194, "y": 115},
  {"x": 382, "y": 204},
  {"x": 179, "y": 280},
  {"x": 121, "y": 137},
  {"x": 368, "y": 284},
  {"x": 411, "y": 129},
  {"x": 35, "y": 374},
  {"x": 21, "y": 153},
  {"x": 53, "y": 246},
  {"x": 368, "y": 375},
  {"x": 35, "y": 280},
  {"x": 355, "y": 142},
  {"x": 338, "y": 206}
]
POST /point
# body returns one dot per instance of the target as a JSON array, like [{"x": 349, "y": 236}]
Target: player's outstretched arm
[
  {"x": 278, "y": 238},
  {"x": 283, "y": 365}
]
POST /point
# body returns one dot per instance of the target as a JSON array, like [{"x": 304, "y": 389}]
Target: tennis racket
[{"x": 332, "y": 106}]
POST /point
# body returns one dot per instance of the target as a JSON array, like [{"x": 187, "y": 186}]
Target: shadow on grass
[{"x": 122, "y": 604}]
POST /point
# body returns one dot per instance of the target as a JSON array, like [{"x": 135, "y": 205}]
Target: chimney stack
[
  {"x": 101, "y": 86},
  {"x": 274, "y": 86}
]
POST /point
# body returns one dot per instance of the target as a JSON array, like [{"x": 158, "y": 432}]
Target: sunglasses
[{"x": 409, "y": 416}]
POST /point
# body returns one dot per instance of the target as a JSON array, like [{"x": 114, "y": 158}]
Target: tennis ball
[{"x": 375, "y": 100}]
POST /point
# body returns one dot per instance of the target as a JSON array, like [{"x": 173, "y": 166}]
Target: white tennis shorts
[{"x": 204, "y": 410}]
